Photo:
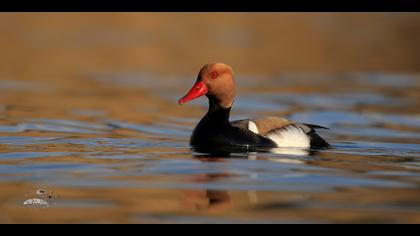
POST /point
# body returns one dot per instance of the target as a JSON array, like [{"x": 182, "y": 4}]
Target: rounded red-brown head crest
[{"x": 216, "y": 82}]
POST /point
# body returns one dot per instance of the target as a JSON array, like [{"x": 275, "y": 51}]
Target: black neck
[{"x": 217, "y": 114}]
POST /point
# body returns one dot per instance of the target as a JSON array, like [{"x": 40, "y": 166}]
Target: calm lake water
[
  {"x": 84, "y": 139},
  {"x": 116, "y": 150}
]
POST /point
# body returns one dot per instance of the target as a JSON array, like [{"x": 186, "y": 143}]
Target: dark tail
[
  {"x": 317, "y": 141},
  {"x": 315, "y": 126}
]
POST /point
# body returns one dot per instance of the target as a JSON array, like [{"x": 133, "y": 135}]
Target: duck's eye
[{"x": 214, "y": 75}]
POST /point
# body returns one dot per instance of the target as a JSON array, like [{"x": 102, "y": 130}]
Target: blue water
[{"x": 98, "y": 157}]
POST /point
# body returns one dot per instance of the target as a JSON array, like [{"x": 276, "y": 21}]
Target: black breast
[{"x": 214, "y": 133}]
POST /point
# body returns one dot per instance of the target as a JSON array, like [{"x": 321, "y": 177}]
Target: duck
[{"x": 215, "y": 131}]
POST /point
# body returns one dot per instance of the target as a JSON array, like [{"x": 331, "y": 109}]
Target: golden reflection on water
[{"x": 88, "y": 111}]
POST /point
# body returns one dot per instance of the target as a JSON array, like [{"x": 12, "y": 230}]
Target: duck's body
[{"x": 215, "y": 131}]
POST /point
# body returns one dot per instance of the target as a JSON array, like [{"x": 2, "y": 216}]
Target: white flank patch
[
  {"x": 290, "y": 136},
  {"x": 252, "y": 127}
]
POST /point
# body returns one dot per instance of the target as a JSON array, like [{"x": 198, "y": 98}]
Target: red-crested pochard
[{"x": 214, "y": 130}]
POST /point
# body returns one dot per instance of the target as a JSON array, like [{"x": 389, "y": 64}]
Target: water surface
[
  {"x": 117, "y": 151},
  {"x": 91, "y": 132}
]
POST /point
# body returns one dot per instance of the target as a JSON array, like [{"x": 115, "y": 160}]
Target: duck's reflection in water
[{"x": 210, "y": 199}]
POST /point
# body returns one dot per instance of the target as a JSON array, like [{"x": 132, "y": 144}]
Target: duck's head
[{"x": 216, "y": 82}]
